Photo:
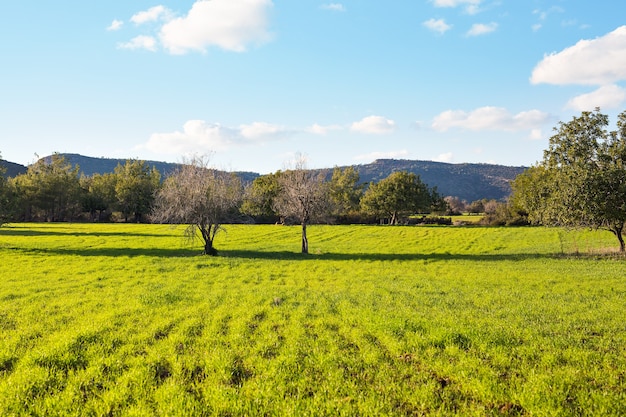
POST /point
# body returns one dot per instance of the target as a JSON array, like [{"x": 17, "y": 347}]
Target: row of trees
[
  {"x": 205, "y": 199},
  {"x": 53, "y": 190}
]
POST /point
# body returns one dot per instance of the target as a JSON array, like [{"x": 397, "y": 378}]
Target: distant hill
[
  {"x": 90, "y": 166},
  {"x": 469, "y": 182},
  {"x": 12, "y": 169}
]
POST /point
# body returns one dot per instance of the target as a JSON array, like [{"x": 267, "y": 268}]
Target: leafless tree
[
  {"x": 200, "y": 197},
  {"x": 302, "y": 196}
]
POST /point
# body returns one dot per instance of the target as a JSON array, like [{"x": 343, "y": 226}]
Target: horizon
[
  {"x": 256, "y": 82},
  {"x": 266, "y": 173}
]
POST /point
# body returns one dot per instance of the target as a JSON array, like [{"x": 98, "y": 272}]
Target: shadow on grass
[
  {"x": 113, "y": 252},
  {"x": 282, "y": 255},
  {"x": 294, "y": 256},
  {"x": 7, "y": 231}
]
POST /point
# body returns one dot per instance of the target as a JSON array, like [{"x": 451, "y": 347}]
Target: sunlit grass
[{"x": 130, "y": 320}]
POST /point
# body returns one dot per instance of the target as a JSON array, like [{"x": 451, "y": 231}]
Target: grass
[{"x": 128, "y": 320}]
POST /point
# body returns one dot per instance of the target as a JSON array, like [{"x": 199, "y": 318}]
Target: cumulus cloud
[
  {"x": 336, "y": 7},
  {"x": 471, "y": 6},
  {"x": 482, "y": 29},
  {"x": 115, "y": 25},
  {"x": 201, "y": 136},
  {"x": 140, "y": 42},
  {"x": 153, "y": 14},
  {"x": 231, "y": 25},
  {"x": 373, "y": 125},
  {"x": 608, "y": 96},
  {"x": 437, "y": 25},
  {"x": 600, "y": 61},
  {"x": 382, "y": 155},
  {"x": 490, "y": 118}
]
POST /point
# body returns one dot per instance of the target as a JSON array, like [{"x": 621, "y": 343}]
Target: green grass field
[{"x": 114, "y": 319}]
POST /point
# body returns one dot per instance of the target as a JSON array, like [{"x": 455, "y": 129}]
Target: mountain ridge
[{"x": 468, "y": 181}]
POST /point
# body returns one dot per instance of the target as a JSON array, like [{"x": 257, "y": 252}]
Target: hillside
[
  {"x": 12, "y": 169},
  {"x": 467, "y": 181},
  {"x": 90, "y": 166}
]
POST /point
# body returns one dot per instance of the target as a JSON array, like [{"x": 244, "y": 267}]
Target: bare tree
[
  {"x": 200, "y": 197},
  {"x": 302, "y": 196}
]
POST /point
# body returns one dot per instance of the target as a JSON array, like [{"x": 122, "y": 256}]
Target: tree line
[
  {"x": 205, "y": 198},
  {"x": 581, "y": 182}
]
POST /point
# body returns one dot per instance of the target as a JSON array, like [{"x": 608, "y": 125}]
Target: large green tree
[
  {"x": 260, "y": 195},
  {"x": 345, "y": 191},
  {"x": 50, "y": 190},
  {"x": 581, "y": 181},
  {"x": 99, "y": 194},
  {"x": 400, "y": 195},
  {"x": 135, "y": 186}
]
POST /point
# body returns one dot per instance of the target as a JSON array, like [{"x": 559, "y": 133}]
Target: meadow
[{"x": 116, "y": 319}]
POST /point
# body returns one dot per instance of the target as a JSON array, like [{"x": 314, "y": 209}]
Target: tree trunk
[
  {"x": 209, "y": 249},
  {"x": 305, "y": 241},
  {"x": 617, "y": 231}
]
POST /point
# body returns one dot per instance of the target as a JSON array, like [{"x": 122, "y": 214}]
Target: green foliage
[
  {"x": 260, "y": 195},
  {"x": 399, "y": 195},
  {"x": 50, "y": 190},
  {"x": 345, "y": 191},
  {"x": 120, "y": 319},
  {"x": 581, "y": 181},
  {"x": 135, "y": 186},
  {"x": 99, "y": 194}
]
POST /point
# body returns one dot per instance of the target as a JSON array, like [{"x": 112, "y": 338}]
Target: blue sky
[{"x": 255, "y": 82}]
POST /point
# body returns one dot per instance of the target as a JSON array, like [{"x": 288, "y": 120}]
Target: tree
[
  {"x": 200, "y": 197},
  {"x": 345, "y": 191},
  {"x": 49, "y": 190},
  {"x": 302, "y": 196},
  {"x": 5, "y": 197},
  {"x": 455, "y": 204},
  {"x": 399, "y": 195},
  {"x": 99, "y": 194},
  {"x": 135, "y": 187},
  {"x": 260, "y": 195},
  {"x": 581, "y": 181}
]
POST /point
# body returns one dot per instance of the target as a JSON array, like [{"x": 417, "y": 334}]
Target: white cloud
[
  {"x": 471, "y": 6},
  {"x": 482, "y": 29},
  {"x": 263, "y": 131},
  {"x": 445, "y": 157},
  {"x": 599, "y": 61},
  {"x": 115, "y": 25},
  {"x": 201, "y": 136},
  {"x": 373, "y": 125},
  {"x": 437, "y": 25},
  {"x": 382, "y": 155},
  {"x": 322, "y": 130},
  {"x": 336, "y": 7},
  {"x": 140, "y": 42},
  {"x": 230, "y": 25},
  {"x": 490, "y": 118},
  {"x": 153, "y": 14},
  {"x": 608, "y": 96}
]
